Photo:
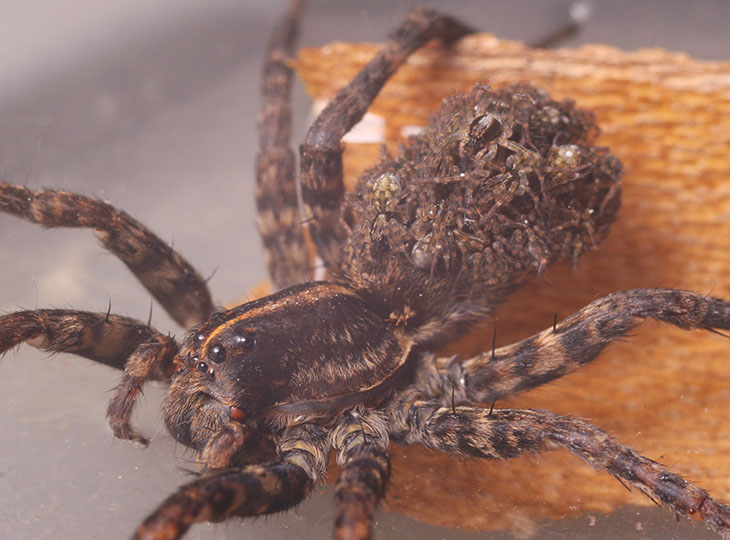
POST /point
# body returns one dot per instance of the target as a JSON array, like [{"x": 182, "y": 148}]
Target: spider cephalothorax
[
  {"x": 284, "y": 360},
  {"x": 502, "y": 184}
]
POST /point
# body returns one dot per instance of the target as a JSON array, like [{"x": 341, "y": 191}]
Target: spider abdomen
[{"x": 499, "y": 186}]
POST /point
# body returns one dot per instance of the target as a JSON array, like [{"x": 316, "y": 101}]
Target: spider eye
[
  {"x": 202, "y": 367},
  {"x": 246, "y": 341},
  {"x": 217, "y": 353},
  {"x": 199, "y": 338}
]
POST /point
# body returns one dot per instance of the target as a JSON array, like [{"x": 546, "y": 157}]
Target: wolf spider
[{"x": 500, "y": 185}]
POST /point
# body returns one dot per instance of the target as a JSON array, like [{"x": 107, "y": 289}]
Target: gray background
[{"x": 153, "y": 107}]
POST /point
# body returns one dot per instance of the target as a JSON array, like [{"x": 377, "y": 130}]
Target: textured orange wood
[{"x": 664, "y": 392}]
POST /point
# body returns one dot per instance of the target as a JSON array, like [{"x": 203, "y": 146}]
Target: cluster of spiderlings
[{"x": 500, "y": 185}]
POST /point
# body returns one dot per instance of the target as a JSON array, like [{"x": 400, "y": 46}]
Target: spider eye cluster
[
  {"x": 203, "y": 366},
  {"x": 221, "y": 348}
]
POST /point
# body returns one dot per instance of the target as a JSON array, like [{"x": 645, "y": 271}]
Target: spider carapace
[
  {"x": 502, "y": 183},
  {"x": 284, "y": 360}
]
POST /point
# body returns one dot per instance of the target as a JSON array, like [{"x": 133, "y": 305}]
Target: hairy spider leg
[
  {"x": 171, "y": 280},
  {"x": 506, "y": 433},
  {"x": 224, "y": 444},
  {"x": 247, "y": 491},
  {"x": 103, "y": 337},
  {"x": 577, "y": 340},
  {"x": 140, "y": 367},
  {"x": 321, "y": 153},
  {"x": 279, "y": 221},
  {"x": 361, "y": 443}
]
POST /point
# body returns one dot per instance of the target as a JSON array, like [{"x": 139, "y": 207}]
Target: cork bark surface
[{"x": 663, "y": 391}]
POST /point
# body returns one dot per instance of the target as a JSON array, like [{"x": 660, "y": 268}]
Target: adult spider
[{"x": 386, "y": 201}]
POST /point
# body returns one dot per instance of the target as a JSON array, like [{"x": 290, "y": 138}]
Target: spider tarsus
[
  {"x": 125, "y": 432},
  {"x": 138, "y": 441}
]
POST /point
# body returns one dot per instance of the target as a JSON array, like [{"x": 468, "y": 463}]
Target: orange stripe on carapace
[{"x": 317, "y": 292}]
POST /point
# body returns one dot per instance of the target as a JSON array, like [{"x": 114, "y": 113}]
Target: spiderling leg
[
  {"x": 321, "y": 152},
  {"x": 248, "y": 491},
  {"x": 170, "y": 278},
  {"x": 505, "y": 433},
  {"x": 578, "y": 340}
]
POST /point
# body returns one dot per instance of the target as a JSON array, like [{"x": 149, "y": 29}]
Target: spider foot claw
[{"x": 124, "y": 431}]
